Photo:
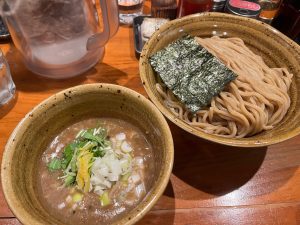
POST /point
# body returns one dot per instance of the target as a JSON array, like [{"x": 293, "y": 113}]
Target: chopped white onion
[
  {"x": 59, "y": 147},
  {"x": 135, "y": 178},
  {"x": 139, "y": 190},
  {"x": 115, "y": 167},
  {"x": 139, "y": 161},
  {"x": 107, "y": 183},
  {"x": 108, "y": 148},
  {"x": 125, "y": 147},
  {"x": 97, "y": 180},
  {"x": 98, "y": 190},
  {"x": 121, "y": 137},
  {"x": 129, "y": 187},
  {"x": 104, "y": 171},
  {"x": 118, "y": 152},
  {"x": 68, "y": 199},
  {"x": 61, "y": 205},
  {"x": 74, "y": 206},
  {"x": 127, "y": 156},
  {"x": 125, "y": 163},
  {"x": 107, "y": 170},
  {"x": 113, "y": 142},
  {"x": 113, "y": 177},
  {"x": 129, "y": 201},
  {"x": 118, "y": 145},
  {"x": 53, "y": 155}
]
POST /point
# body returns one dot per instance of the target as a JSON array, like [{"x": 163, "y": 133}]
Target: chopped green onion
[
  {"x": 69, "y": 180},
  {"x": 104, "y": 198},
  {"x": 55, "y": 164},
  {"x": 77, "y": 197},
  {"x": 125, "y": 177}
]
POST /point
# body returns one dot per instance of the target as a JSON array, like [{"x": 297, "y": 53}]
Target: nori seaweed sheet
[{"x": 193, "y": 74}]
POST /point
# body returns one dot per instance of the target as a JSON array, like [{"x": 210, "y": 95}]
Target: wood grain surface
[{"x": 210, "y": 183}]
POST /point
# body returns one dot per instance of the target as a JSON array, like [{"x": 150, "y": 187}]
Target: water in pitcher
[
  {"x": 57, "y": 30},
  {"x": 63, "y": 52},
  {"x": 60, "y": 38}
]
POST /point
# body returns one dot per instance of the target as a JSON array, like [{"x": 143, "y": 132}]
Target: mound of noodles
[{"x": 256, "y": 101}]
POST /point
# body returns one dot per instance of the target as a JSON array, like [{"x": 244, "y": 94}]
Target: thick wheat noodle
[{"x": 257, "y": 100}]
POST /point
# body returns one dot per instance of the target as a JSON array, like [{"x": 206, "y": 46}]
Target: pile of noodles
[{"x": 256, "y": 100}]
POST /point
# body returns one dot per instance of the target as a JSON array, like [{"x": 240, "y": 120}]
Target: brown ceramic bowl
[
  {"x": 36, "y": 130},
  {"x": 276, "y": 49}
]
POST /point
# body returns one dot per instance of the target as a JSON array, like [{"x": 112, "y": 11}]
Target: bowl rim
[
  {"x": 151, "y": 197},
  {"x": 238, "y": 142}
]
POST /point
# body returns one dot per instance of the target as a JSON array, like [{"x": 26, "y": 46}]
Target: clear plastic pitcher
[{"x": 60, "y": 38}]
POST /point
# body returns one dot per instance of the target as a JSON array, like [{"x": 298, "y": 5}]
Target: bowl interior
[
  {"x": 276, "y": 49},
  {"x": 40, "y": 126}
]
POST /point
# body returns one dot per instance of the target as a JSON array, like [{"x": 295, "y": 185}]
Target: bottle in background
[
  {"x": 218, "y": 5},
  {"x": 269, "y": 10},
  {"x": 128, "y": 9},
  {"x": 187, "y": 7},
  {"x": 164, "y": 9}
]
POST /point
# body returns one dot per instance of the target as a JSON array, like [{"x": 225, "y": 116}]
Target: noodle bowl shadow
[
  {"x": 33, "y": 134},
  {"x": 210, "y": 168},
  {"x": 276, "y": 49},
  {"x": 209, "y": 172}
]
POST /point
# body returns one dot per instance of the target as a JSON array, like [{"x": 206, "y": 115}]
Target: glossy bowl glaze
[
  {"x": 30, "y": 138},
  {"x": 276, "y": 49}
]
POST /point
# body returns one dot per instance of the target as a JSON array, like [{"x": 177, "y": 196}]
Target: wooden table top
[{"x": 210, "y": 183}]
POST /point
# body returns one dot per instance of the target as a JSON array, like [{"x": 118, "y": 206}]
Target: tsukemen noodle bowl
[
  {"x": 92, "y": 154},
  {"x": 225, "y": 78}
]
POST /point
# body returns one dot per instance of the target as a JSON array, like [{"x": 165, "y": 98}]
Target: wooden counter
[{"x": 210, "y": 183}]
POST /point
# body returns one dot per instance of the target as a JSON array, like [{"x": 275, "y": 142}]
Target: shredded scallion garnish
[
  {"x": 90, "y": 163},
  {"x": 92, "y": 141}
]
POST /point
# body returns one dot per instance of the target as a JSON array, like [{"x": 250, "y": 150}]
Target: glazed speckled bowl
[
  {"x": 45, "y": 121},
  {"x": 276, "y": 49}
]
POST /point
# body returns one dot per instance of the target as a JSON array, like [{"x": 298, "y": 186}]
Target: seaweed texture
[{"x": 193, "y": 74}]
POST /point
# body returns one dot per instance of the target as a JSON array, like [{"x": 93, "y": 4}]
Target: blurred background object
[
  {"x": 187, "y": 7},
  {"x": 218, "y": 5},
  {"x": 128, "y": 9},
  {"x": 164, "y": 8},
  {"x": 4, "y": 33},
  {"x": 7, "y": 86},
  {"x": 288, "y": 19},
  {"x": 243, "y": 8},
  {"x": 269, "y": 10},
  {"x": 143, "y": 28}
]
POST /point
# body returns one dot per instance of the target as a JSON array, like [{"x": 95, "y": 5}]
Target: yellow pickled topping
[{"x": 83, "y": 175}]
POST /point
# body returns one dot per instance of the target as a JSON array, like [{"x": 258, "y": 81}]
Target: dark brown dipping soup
[{"x": 95, "y": 171}]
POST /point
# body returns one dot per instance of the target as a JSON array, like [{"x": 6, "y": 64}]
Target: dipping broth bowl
[{"x": 32, "y": 135}]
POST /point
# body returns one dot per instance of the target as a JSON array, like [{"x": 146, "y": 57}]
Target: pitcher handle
[{"x": 110, "y": 14}]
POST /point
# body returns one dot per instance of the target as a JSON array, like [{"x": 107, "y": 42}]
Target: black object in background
[
  {"x": 288, "y": 19},
  {"x": 4, "y": 33},
  {"x": 218, "y": 5},
  {"x": 138, "y": 42}
]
